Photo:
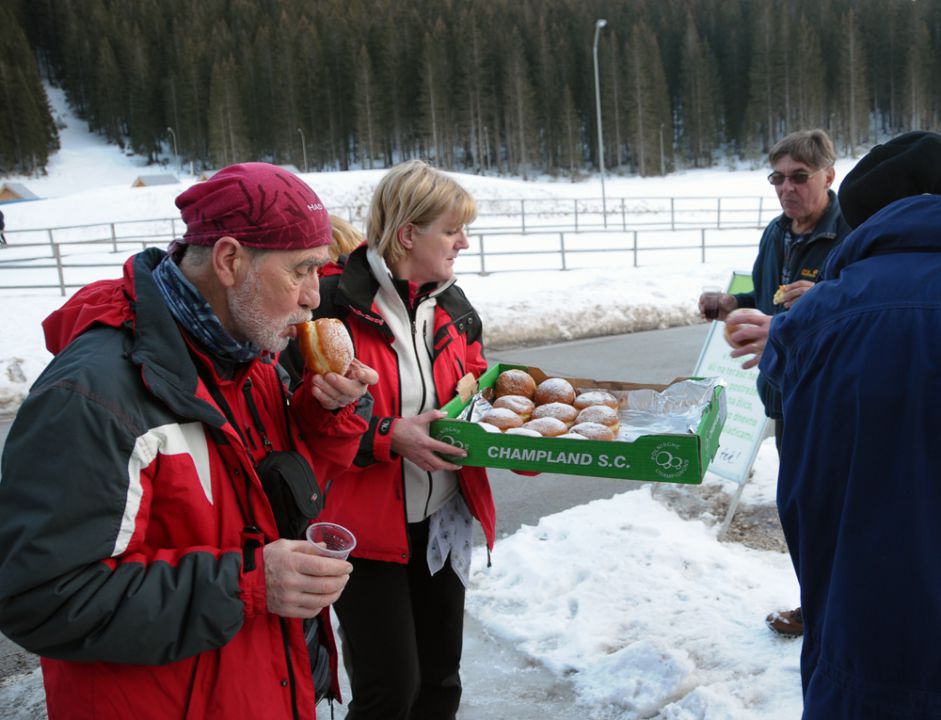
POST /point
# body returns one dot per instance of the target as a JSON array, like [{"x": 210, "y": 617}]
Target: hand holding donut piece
[
  {"x": 325, "y": 346},
  {"x": 746, "y": 330}
]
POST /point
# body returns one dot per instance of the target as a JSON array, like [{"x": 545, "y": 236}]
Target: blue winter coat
[{"x": 859, "y": 490}]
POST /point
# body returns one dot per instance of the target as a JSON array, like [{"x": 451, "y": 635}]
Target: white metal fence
[
  {"x": 511, "y": 234},
  {"x": 523, "y": 215}
]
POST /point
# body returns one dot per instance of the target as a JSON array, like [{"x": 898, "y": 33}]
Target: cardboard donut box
[{"x": 675, "y": 458}]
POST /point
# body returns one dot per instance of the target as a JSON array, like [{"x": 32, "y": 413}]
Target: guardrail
[
  {"x": 508, "y": 234},
  {"x": 582, "y": 214},
  {"x": 519, "y": 215},
  {"x": 525, "y": 215},
  {"x": 501, "y": 252},
  {"x": 65, "y": 266}
]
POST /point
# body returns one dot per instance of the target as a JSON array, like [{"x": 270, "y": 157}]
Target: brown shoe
[{"x": 788, "y": 623}]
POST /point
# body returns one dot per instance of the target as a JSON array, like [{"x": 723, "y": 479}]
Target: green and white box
[{"x": 669, "y": 457}]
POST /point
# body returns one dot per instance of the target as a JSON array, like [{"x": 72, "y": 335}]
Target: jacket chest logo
[{"x": 810, "y": 273}]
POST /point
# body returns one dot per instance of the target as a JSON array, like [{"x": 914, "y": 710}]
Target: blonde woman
[{"x": 411, "y": 510}]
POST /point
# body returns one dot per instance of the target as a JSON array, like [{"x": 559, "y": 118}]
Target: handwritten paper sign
[{"x": 746, "y": 422}]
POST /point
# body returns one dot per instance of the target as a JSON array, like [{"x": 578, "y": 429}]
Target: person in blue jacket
[
  {"x": 795, "y": 244},
  {"x": 858, "y": 361},
  {"x": 791, "y": 254}
]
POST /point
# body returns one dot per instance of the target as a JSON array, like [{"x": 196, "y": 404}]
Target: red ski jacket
[{"x": 132, "y": 520}]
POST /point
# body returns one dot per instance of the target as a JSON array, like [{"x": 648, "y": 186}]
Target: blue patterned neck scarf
[{"x": 191, "y": 310}]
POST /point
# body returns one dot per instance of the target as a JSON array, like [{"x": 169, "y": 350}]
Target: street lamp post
[
  {"x": 173, "y": 135},
  {"x": 604, "y": 204},
  {"x": 304, "y": 148}
]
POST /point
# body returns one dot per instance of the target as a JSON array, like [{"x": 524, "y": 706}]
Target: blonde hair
[
  {"x": 413, "y": 192},
  {"x": 346, "y": 238}
]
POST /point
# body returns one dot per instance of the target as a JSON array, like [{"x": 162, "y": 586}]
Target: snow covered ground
[{"x": 646, "y": 614}]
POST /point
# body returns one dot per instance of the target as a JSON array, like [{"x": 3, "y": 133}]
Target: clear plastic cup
[
  {"x": 331, "y": 540},
  {"x": 710, "y": 301}
]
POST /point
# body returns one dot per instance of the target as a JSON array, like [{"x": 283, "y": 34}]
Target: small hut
[
  {"x": 15, "y": 192},
  {"x": 150, "y": 180}
]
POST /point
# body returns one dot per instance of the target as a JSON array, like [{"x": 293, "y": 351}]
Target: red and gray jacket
[
  {"x": 132, "y": 521},
  {"x": 419, "y": 357}
]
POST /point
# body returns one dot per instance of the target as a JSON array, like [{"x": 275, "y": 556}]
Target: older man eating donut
[{"x": 156, "y": 480}]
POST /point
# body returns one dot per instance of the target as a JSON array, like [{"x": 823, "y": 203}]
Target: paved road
[{"x": 499, "y": 682}]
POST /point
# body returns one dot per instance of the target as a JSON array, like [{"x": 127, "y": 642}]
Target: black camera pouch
[{"x": 292, "y": 491}]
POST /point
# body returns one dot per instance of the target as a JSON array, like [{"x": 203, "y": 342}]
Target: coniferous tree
[
  {"x": 256, "y": 83},
  {"x": 886, "y": 26},
  {"x": 192, "y": 93},
  {"x": 435, "y": 96},
  {"x": 732, "y": 51},
  {"x": 764, "y": 81},
  {"x": 809, "y": 80},
  {"x": 699, "y": 108},
  {"x": 518, "y": 100},
  {"x": 27, "y": 131},
  {"x": 432, "y": 101},
  {"x": 80, "y": 73},
  {"x": 473, "y": 60},
  {"x": 366, "y": 106},
  {"x": 784, "y": 52},
  {"x": 108, "y": 116},
  {"x": 570, "y": 156},
  {"x": 489, "y": 111},
  {"x": 312, "y": 94},
  {"x": 335, "y": 72},
  {"x": 917, "y": 80},
  {"x": 547, "y": 96},
  {"x": 38, "y": 21},
  {"x": 144, "y": 116},
  {"x": 228, "y": 140},
  {"x": 646, "y": 103},
  {"x": 612, "y": 95},
  {"x": 853, "y": 111},
  {"x": 286, "y": 145}
]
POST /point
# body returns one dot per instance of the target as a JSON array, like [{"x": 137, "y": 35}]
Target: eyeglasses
[{"x": 798, "y": 178}]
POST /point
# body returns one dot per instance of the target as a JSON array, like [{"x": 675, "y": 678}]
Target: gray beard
[{"x": 251, "y": 322}]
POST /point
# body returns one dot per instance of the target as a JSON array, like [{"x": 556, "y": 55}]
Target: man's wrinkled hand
[
  {"x": 336, "y": 391},
  {"x": 298, "y": 582}
]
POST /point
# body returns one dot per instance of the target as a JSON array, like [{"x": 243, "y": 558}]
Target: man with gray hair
[{"x": 790, "y": 256}]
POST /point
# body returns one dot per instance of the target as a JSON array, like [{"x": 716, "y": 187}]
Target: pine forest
[{"x": 492, "y": 86}]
